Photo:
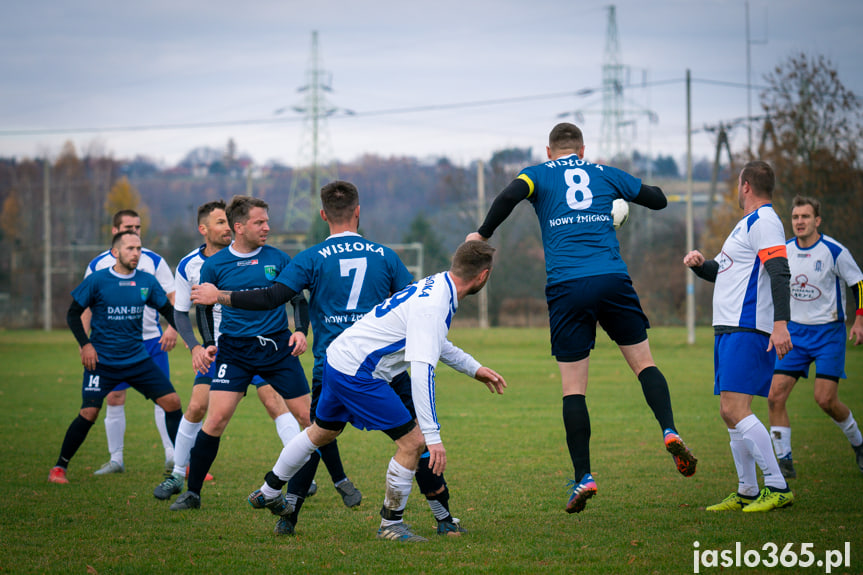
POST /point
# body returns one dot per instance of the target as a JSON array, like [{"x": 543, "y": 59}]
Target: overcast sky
[{"x": 445, "y": 78}]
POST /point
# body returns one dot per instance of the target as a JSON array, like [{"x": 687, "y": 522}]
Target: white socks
[
  {"x": 757, "y": 440},
  {"x": 850, "y": 429},
  {"x": 187, "y": 432},
  {"x": 781, "y": 437},
  {"x": 159, "y": 415},
  {"x": 399, "y": 483},
  {"x": 115, "y": 430},
  {"x": 293, "y": 456},
  {"x": 747, "y": 480},
  {"x": 287, "y": 427}
]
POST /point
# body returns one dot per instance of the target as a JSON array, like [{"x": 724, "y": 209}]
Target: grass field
[{"x": 507, "y": 471}]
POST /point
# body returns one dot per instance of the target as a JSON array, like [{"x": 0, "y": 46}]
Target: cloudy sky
[{"x": 449, "y": 78}]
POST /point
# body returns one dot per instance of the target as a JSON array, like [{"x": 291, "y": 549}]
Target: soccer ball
[{"x": 619, "y": 212}]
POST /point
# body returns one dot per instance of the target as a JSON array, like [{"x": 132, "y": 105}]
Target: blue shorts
[
  {"x": 742, "y": 364},
  {"x": 575, "y": 307},
  {"x": 241, "y": 358},
  {"x": 364, "y": 402},
  {"x": 145, "y": 377},
  {"x": 823, "y": 344},
  {"x": 154, "y": 348}
]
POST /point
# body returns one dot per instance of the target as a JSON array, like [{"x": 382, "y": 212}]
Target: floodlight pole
[{"x": 690, "y": 239}]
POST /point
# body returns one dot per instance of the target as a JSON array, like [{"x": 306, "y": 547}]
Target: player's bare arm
[
  {"x": 780, "y": 339},
  {"x": 693, "y": 259},
  {"x": 856, "y": 332},
  {"x": 208, "y": 294},
  {"x": 298, "y": 340},
  {"x": 437, "y": 458},
  {"x": 89, "y": 357}
]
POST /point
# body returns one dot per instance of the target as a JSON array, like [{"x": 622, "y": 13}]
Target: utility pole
[
  {"x": 612, "y": 90},
  {"x": 47, "y": 299},
  {"x": 690, "y": 225},
  {"x": 480, "y": 213}
]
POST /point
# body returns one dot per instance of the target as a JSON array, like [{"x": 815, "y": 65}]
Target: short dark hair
[
  {"x": 118, "y": 237},
  {"x": 339, "y": 199},
  {"x": 760, "y": 176},
  {"x": 117, "y": 221},
  {"x": 565, "y": 136},
  {"x": 471, "y": 258},
  {"x": 205, "y": 210},
  {"x": 807, "y": 201},
  {"x": 239, "y": 208}
]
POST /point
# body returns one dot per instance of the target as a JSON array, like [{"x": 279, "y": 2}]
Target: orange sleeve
[{"x": 773, "y": 252}]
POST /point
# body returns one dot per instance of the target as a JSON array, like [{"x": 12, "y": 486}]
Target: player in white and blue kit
[
  {"x": 821, "y": 270},
  {"x": 251, "y": 343},
  {"x": 347, "y": 275},
  {"x": 750, "y": 316},
  {"x": 587, "y": 282},
  {"x": 158, "y": 345},
  {"x": 115, "y": 352},
  {"x": 213, "y": 225},
  {"x": 407, "y": 330}
]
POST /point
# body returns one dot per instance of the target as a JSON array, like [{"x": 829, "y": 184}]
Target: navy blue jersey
[
  {"x": 118, "y": 303},
  {"x": 346, "y": 276},
  {"x": 232, "y": 271},
  {"x": 572, "y": 199}
]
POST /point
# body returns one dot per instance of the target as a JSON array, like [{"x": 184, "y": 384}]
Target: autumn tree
[
  {"x": 811, "y": 138},
  {"x": 124, "y": 196}
]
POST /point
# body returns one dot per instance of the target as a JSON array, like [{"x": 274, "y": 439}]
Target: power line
[{"x": 352, "y": 114}]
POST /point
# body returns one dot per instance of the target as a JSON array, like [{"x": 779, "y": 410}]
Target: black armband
[
  {"x": 857, "y": 292},
  {"x": 651, "y": 197},
  {"x": 263, "y": 298},
  {"x": 780, "y": 286},
  {"x": 301, "y": 313},
  {"x": 73, "y": 320},
  {"x": 503, "y": 205},
  {"x": 707, "y": 271},
  {"x": 204, "y": 317}
]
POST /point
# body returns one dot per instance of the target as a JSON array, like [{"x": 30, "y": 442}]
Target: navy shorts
[
  {"x": 207, "y": 378},
  {"x": 742, "y": 364},
  {"x": 241, "y": 358},
  {"x": 145, "y": 377},
  {"x": 575, "y": 307},
  {"x": 365, "y": 402},
  {"x": 823, "y": 344},
  {"x": 154, "y": 348}
]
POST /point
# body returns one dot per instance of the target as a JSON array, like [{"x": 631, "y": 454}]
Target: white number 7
[{"x": 358, "y": 264}]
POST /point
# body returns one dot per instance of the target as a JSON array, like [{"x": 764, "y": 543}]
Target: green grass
[{"x": 507, "y": 470}]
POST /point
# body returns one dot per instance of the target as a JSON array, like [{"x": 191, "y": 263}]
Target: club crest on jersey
[
  {"x": 802, "y": 290},
  {"x": 270, "y": 272},
  {"x": 144, "y": 293},
  {"x": 818, "y": 266},
  {"x": 724, "y": 261}
]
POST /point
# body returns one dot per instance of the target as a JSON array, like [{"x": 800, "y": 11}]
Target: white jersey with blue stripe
[
  {"x": 410, "y": 326},
  {"x": 189, "y": 274},
  {"x": 742, "y": 296},
  {"x": 346, "y": 275},
  {"x": 152, "y": 263},
  {"x": 820, "y": 275}
]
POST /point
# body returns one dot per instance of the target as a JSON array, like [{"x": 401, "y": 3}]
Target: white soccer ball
[{"x": 619, "y": 212}]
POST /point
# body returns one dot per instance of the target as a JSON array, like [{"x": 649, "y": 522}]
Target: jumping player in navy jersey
[
  {"x": 408, "y": 329},
  {"x": 347, "y": 276},
  {"x": 250, "y": 344},
  {"x": 115, "y": 352},
  {"x": 587, "y": 282},
  {"x": 213, "y": 225}
]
